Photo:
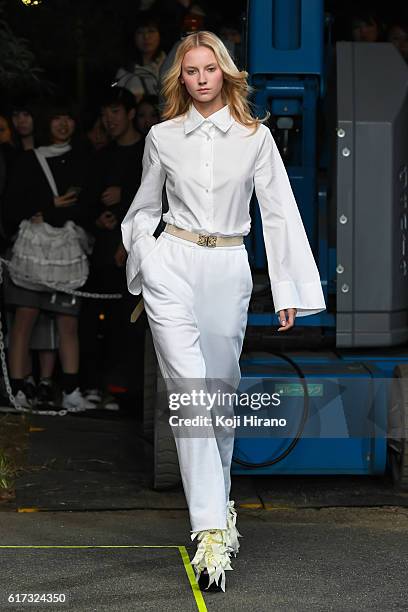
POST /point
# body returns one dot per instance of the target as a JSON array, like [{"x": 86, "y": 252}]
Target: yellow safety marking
[
  {"x": 279, "y": 507},
  {"x": 198, "y": 596},
  {"x": 28, "y": 509},
  {"x": 182, "y": 549},
  {"x": 31, "y": 428},
  {"x": 86, "y": 546},
  {"x": 252, "y": 506}
]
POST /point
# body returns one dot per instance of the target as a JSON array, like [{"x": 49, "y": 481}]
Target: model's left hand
[{"x": 288, "y": 323}]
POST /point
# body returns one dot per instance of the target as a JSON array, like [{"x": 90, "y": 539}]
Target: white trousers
[{"x": 196, "y": 299}]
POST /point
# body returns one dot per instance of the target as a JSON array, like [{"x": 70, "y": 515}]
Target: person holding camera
[{"x": 58, "y": 167}]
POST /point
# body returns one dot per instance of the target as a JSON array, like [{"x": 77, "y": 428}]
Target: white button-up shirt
[{"x": 212, "y": 166}]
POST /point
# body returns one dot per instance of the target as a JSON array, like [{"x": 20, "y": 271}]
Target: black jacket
[
  {"x": 29, "y": 192},
  {"x": 116, "y": 166}
]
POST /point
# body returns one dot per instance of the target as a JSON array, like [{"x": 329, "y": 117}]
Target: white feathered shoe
[
  {"x": 232, "y": 534},
  {"x": 211, "y": 559}
]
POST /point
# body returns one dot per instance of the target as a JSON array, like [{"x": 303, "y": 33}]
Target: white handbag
[{"x": 49, "y": 258}]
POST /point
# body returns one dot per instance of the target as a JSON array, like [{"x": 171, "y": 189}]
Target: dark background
[
  {"x": 95, "y": 33},
  {"x": 59, "y": 30}
]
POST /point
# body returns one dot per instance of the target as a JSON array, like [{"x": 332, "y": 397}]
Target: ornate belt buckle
[{"x": 209, "y": 241}]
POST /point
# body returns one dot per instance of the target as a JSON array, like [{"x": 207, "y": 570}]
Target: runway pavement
[
  {"x": 304, "y": 559},
  {"x": 86, "y": 526}
]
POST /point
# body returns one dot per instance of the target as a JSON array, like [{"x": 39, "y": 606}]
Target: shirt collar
[{"x": 222, "y": 119}]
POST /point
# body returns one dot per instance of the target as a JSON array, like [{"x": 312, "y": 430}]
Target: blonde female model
[{"x": 195, "y": 278}]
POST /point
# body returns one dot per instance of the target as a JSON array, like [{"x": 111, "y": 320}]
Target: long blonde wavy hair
[{"x": 235, "y": 90}]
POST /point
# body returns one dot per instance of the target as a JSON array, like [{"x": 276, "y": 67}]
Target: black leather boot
[{"x": 203, "y": 583}]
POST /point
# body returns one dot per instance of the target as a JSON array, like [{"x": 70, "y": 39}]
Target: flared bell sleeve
[
  {"x": 295, "y": 279},
  {"x": 144, "y": 213}
]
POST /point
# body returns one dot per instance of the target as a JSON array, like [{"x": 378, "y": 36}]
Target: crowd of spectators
[
  {"x": 97, "y": 174},
  {"x": 367, "y": 25},
  {"x": 95, "y": 157}
]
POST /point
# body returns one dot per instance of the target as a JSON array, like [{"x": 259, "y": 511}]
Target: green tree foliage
[{"x": 18, "y": 69}]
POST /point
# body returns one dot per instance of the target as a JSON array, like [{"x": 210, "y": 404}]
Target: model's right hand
[{"x": 68, "y": 199}]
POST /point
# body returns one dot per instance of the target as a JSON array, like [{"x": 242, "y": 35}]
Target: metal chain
[
  {"x": 12, "y": 399},
  {"x": 10, "y": 394},
  {"x": 85, "y": 294}
]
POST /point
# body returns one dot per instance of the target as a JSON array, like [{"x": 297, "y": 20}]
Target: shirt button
[{"x": 207, "y": 164}]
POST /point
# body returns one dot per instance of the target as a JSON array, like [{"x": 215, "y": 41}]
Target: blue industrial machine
[
  {"x": 339, "y": 116},
  {"x": 341, "y": 127}
]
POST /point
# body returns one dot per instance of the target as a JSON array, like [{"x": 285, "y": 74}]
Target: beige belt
[
  {"x": 204, "y": 239},
  {"x": 201, "y": 239},
  {"x": 137, "y": 311}
]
